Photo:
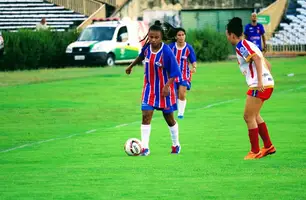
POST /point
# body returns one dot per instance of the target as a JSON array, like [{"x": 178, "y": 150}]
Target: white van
[{"x": 107, "y": 42}]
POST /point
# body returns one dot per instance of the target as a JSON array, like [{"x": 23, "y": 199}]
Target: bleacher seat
[
  {"x": 292, "y": 29},
  {"x": 25, "y": 14}
]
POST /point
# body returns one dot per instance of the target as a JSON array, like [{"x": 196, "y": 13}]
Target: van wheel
[{"x": 110, "y": 60}]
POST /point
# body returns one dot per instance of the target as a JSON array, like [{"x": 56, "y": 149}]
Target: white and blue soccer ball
[{"x": 133, "y": 147}]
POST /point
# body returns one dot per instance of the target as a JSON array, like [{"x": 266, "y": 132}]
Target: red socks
[
  {"x": 253, "y": 135},
  {"x": 263, "y": 132}
]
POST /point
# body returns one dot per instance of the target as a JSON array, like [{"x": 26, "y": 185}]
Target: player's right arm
[
  {"x": 258, "y": 65},
  {"x": 140, "y": 58},
  {"x": 246, "y": 32},
  {"x": 268, "y": 64},
  {"x": 249, "y": 55},
  {"x": 128, "y": 70}
]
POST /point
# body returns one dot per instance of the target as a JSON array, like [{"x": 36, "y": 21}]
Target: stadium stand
[
  {"x": 25, "y": 14},
  {"x": 292, "y": 29}
]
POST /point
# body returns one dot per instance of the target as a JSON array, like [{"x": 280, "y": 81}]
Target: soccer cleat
[
  {"x": 180, "y": 116},
  {"x": 145, "y": 152},
  {"x": 267, "y": 151},
  {"x": 176, "y": 149},
  {"x": 251, "y": 156}
]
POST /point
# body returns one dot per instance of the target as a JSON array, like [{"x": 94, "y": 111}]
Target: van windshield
[{"x": 97, "y": 34}]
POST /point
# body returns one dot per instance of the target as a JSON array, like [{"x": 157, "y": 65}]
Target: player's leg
[
  {"x": 182, "y": 101},
  {"x": 147, "y": 113},
  {"x": 264, "y": 134},
  {"x": 174, "y": 130},
  {"x": 252, "y": 108}
]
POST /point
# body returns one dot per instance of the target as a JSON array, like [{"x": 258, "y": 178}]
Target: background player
[
  {"x": 158, "y": 92},
  {"x": 260, "y": 82},
  {"x": 254, "y": 32},
  {"x": 184, "y": 54}
]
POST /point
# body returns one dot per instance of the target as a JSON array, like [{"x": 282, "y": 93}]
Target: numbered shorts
[
  {"x": 168, "y": 110},
  {"x": 265, "y": 95},
  {"x": 184, "y": 83}
]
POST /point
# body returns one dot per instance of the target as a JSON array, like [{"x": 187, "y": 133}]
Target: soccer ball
[{"x": 133, "y": 147}]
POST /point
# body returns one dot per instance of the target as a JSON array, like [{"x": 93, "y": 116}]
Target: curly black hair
[
  {"x": 235, "y": 26},
  {"x": 167, "y": 30}
]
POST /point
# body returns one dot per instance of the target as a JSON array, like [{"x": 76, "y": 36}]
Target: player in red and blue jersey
[
  {"x": 158, "y": 93},
  {"x": 184, "y": 54},
  {"x": 257, "y": 71},
  {"x": 254, "y": 32}
]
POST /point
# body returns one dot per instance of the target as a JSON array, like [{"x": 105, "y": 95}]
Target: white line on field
[
  {"x": 123, "y": 125},
  {"x": 91, "y": 131},
  {"x": 216, "y": 104},
  {"x": 94, "y": 130},
  {"x": 70, "y": 136}
]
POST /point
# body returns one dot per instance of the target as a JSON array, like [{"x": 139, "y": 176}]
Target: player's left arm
[
  {"x": 263, "y": 38},
  {"x": 193, "y": 59},
  {"x": 264, "y": 43},
  {"x": 172, "y": 68}
]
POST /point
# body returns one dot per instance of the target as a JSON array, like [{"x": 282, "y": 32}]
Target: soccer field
[{"x": 62, "y": 134}]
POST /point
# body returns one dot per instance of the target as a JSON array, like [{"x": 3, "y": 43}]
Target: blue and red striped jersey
[
  {"x": 184, "y": 56},
  {"x": 254, "y": 33},
  {"x": 158, "y": 68}
]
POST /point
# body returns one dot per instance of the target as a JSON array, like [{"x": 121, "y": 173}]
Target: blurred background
[{"x": 284, "y": 22}]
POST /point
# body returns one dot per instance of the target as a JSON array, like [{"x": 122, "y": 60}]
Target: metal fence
[
  {"x": 283, "y": 42},
  {"x": 216, "y": 3}
]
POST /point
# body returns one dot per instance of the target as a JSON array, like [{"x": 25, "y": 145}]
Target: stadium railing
[
  {"x": 288, "y": 44},
  {"x": 86, "y": 7},
  {"x": 286, "y": 50},
  {"x": 100, "y": 13}
]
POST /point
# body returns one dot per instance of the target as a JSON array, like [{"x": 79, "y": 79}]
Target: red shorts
[{"x": 265, "y": 95}]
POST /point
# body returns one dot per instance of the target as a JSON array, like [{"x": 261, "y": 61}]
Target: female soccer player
[
  {"x": 260, "y": 81},
  {"x": 184, "y": 54},
  {"x": 158, "y": 92}
]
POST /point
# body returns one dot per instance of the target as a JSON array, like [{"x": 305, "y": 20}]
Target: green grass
[{"x": 49, "y": 112}]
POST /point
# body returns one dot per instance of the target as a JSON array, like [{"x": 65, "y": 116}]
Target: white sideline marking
[
  {"x": 70, "y": 136},
  {"x": 94, "y": 130},
  {"x": 122, "y": 125},
  {"x": 91, "y": 131},
  {"x": 301, "y": 87},
  {"x": 216, "y": 104}
]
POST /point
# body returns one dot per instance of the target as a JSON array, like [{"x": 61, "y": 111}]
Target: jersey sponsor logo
[
  {"x": 184, "y": 57},
  {"x": 158, "y": 64},
  {"x": 255, "y": 38},
  {"x": 244, "y": 52}
]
